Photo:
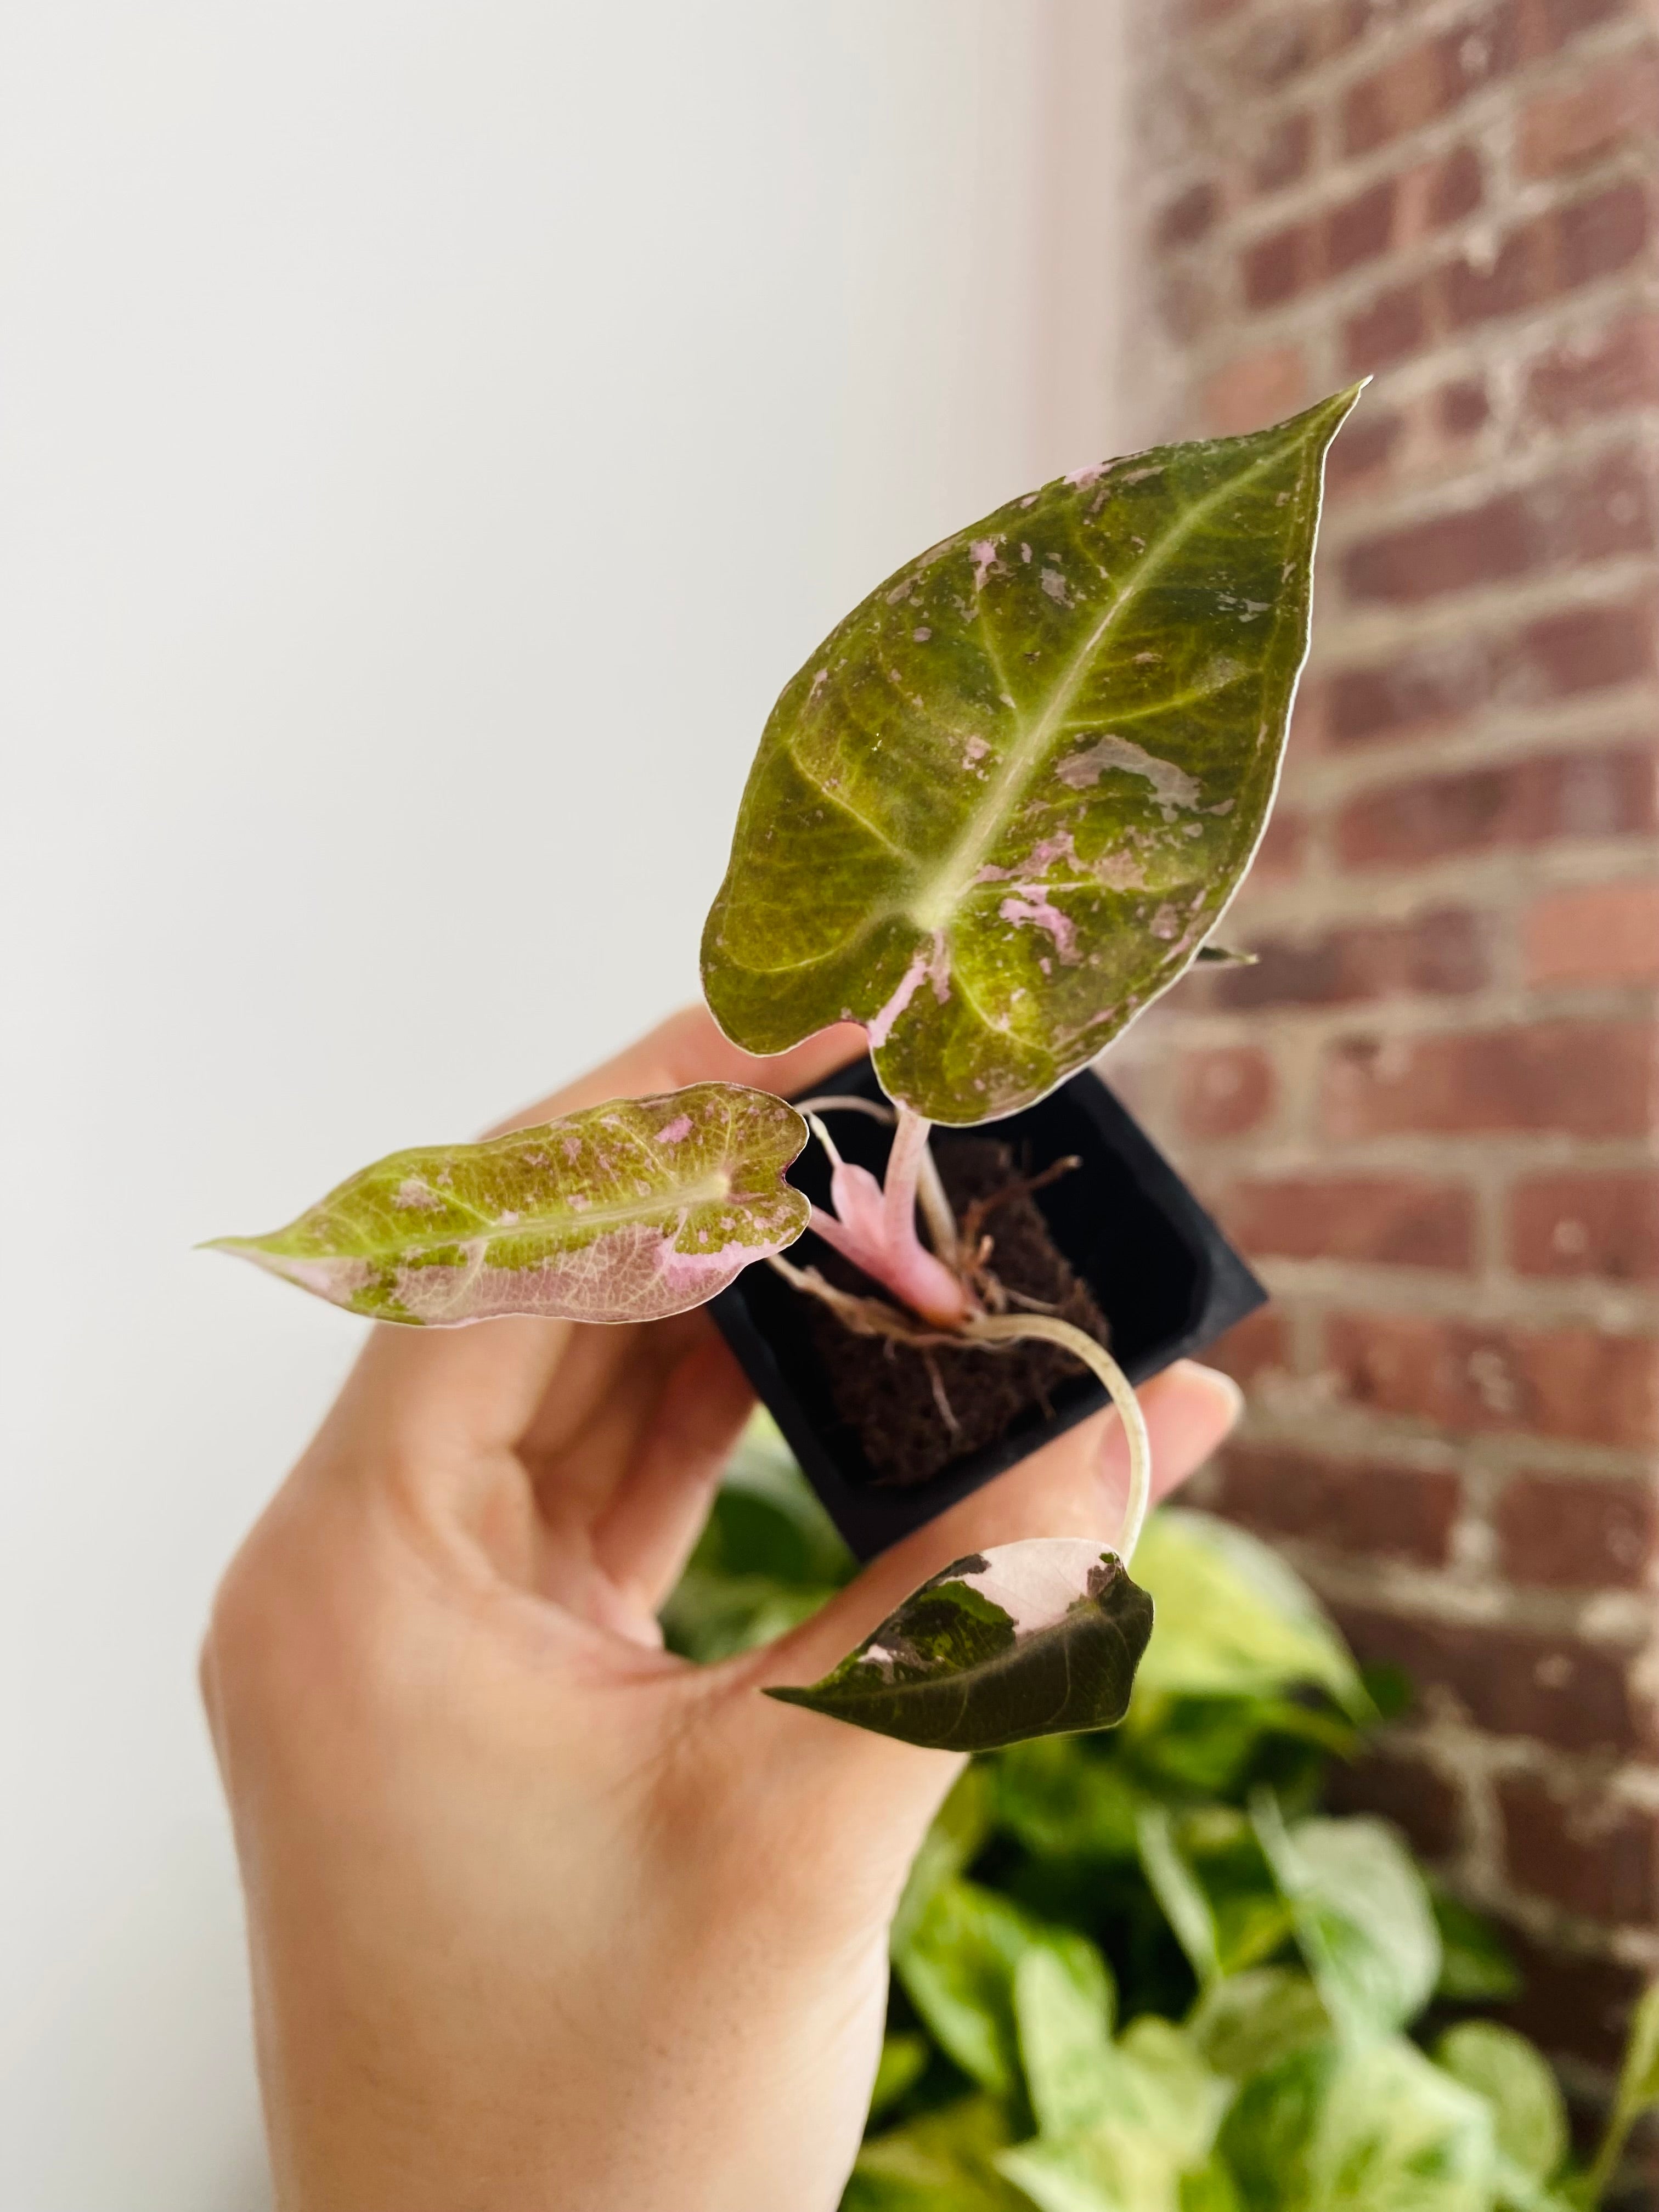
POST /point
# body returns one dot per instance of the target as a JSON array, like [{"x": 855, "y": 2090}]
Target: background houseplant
[{"x": 1141, "y": 1970}]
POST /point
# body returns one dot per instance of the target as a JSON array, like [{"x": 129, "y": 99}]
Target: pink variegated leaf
[{"x": 626, "y": 1211}]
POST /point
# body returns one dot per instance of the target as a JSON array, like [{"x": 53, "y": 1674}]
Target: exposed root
[
  {"x": 946, "y": 1411},
  {"x": 1000, "y": 1331}
]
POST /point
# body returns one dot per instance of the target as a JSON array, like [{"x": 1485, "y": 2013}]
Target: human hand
[{"x": 538, "y": 1915}]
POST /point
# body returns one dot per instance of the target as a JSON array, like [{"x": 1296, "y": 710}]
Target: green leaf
[
  {"x": 1004, "y": 803},
  {"x": 1113, "y": 2168},
  {"x": 1476, "y": 1966},
  {"x": 1033, "y": 1638},
  {"x": 626, "y": 1211},
  {"x": 959, "y": 1832},
  {"x": 1063, "y": 2004},
  {"x": 1639, "y": 2077},
  {"x": 1234, "y": 1621},
  {"x": 1377, "y": 2130},
  {"x": 941, "y": 2163},
  {"x": 1178, "y": 1890},
  {"x": 1249, "y": 2023},
  {"x": 1174, "y": 2091},
  {"x": 1529, "y": 2111},
  {"x": 1164, "y": 2107},
  {"x": 1061, "y": 1802},
  {"x": 1362, "y": 1916},
  {"x": 1394, "y": 2134},
  {"x": 958, "y": 1967},
  {"x": 904, "y": 2062},
  {"x": 1211, "y": 2188}
]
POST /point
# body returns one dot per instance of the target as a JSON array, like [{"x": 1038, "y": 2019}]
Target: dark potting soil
[{"x": 884, "y": 1390}]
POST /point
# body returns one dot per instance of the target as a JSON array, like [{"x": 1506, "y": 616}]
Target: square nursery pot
[{"x": 1164, "y": 1275}]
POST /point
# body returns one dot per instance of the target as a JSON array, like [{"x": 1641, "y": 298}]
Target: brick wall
[{"x": 1429, "y": 1112}]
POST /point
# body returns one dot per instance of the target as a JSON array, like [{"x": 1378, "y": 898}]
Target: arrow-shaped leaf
[
  {"x": 1036, "y": 1638},
  {"x": 1007, "y": 799},
  {"x": 626, "y": 1211}
]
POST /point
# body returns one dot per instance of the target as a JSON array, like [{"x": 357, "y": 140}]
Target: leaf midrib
[
  {"x": 716, "y": 1188},
  {"x": 937, "y": 908}
]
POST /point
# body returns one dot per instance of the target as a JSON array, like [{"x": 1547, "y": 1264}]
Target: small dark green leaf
[
  {"x": 629, "y": 1211},
  {"x": 1529, "y": 2114},
  {"x": 1036, "y": 1638},
  {"x": 1217, "y": 956},
  {"x": 1002, "y": 805}
]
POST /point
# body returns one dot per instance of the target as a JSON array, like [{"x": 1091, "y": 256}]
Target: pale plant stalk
[{"x": 1017, "y": 1328}]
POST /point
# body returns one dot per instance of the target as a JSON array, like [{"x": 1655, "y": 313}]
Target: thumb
[{"x": 1075, "y": 1487}]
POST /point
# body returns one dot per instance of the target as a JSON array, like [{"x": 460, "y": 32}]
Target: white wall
[{"x": 433, "y": 432}]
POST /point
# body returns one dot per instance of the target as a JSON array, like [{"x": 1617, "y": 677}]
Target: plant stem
[
  {"x": 903, "y": 1173},
  {"x": 1011, "y": 1328}
]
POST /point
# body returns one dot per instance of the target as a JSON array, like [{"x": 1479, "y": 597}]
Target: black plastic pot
[{"x": 1162, "y": 1273}]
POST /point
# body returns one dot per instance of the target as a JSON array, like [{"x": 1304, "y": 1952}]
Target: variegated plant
[{"x": 999, "y": 811}]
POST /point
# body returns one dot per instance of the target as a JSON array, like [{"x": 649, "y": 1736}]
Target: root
[{"x": 1001, "y": 1333}]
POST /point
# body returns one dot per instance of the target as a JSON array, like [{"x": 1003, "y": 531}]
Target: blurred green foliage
[{"x": 1141, "y": 1971}]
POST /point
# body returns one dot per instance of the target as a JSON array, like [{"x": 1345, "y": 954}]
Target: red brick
[
  {"x": 1254, "y": 389},
  {"x": 1437, "y": 193},
  {"x": 1394, "y": 324},
  {"x": 1614, "y": 105},
  {"x": 1595, "y": 934},
  {"x": 1359, "y": 229},
  {"x": 1188, "y": 215},
  {"x": 1402, "y": 1220},
  {"x": 1550, "y": 1688},
  {"x": 1276, "y": 267},
  {"x": 1438, "y": 954},
  {"x": 1357, "y": 1506},
  {"x": 1225, "y": 1091},
  {"x": 1415, "y": 689},
  {"x": 1482, "y": 544},
  {"x": 1598, "y": 235},
  {"x": 1360, "y": 457},
  {"x": 1402, "y": 1790},
  {"x": 1430, "y": 79},
  {"x": 1555, "y": 252},
  {"x": 1576, "y": 1535},
  {"x": 1590, "y": 1853},
  {"x": 1516, "y": 804},
  {"x": 1587, "y": 514},
  {"x": 1602, "y": 374},
  {"x": 1463, "y": 407},
  {"x": 1572, "y": 2007},
  {"x": 1284, "y": 154},
  {"x": 1548, "y": 26},
  {"x": 1587, "y": 1078},
  {"x": 1578, "y": 1383},
  {"x": 1578, "y": 1224},
  {"x": 1581, "y": 649},
  {"x": 1252, "y": 1347},
  {"x": 1279, "y": 857}
]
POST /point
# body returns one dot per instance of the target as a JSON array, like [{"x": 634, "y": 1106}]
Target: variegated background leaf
[
  {"x": 1002, "y": 806},
  {"x": 1036, "y": 1638},
  {"x": 626, "y": 1211}
]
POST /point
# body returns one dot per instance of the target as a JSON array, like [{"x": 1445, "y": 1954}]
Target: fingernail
[{"x": 1229, "y": 1398}]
